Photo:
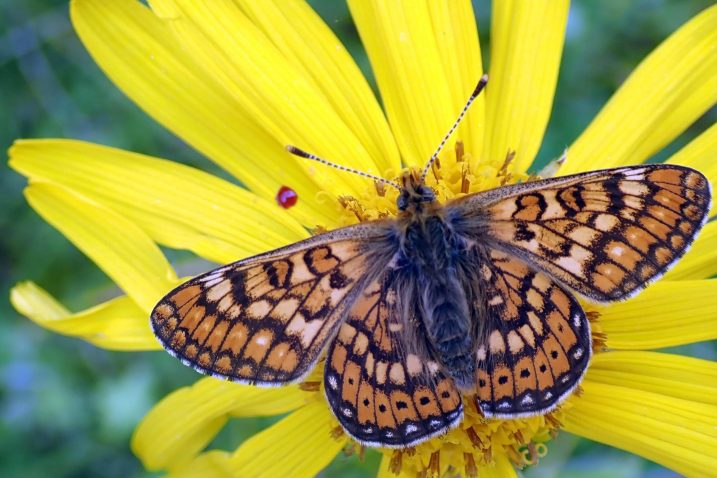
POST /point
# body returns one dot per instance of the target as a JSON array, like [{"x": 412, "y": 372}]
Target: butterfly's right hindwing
[{"x": 265, "y": 320}]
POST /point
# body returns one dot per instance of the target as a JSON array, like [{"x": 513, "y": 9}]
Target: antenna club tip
[
  {"x": 296, "y": 151},
  {"x": 481, "y": 84}
]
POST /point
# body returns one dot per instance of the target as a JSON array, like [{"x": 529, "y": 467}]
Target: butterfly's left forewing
[
  {"x": 605, "y": 234},
  {"x": 265, "y": 320}
]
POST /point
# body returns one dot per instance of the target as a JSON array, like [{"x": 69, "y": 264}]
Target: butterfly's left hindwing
[
  {"x": 380, "y": 380},
  {"x": 265, "y": 320}
]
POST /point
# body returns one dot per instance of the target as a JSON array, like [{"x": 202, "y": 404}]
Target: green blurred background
[{"x": 68, "y": 408}]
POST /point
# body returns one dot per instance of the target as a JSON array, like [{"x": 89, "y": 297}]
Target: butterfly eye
[
  {"x": 427, "y": 194},
  {"x": 402, "y": 201}
]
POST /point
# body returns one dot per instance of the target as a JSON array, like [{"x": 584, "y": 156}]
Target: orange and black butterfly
[{"x": 473, "y": 298}]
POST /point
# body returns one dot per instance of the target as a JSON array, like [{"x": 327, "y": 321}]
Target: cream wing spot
[
  {"x": 573, "y": 263},
  {"x": 360, "y": 344},
  {"x": 495, "y": 300},
  {"x": 225, "y": 303},
  {"x": 234, "y": 311},
  {"x": 496, "y": 343},
  {"x": 634, "y": 188},
  {"x": 305, "y": 331},
  {"x": 515, "y": 343},
  {"x": 527, "y": 333},
  {"x": 300, "y": 273},
  {"x": 346, "y": 335},
  {"x": 413, "y": 364},
  {"x": 285, "y": 309},
  {"x": 259, "y": 309},
  {"x": 381, "y": 371},
  {"x": 397, "y": 374},
  {"x": 219, "y": 291},
  {"x": 606, "y": 222}
]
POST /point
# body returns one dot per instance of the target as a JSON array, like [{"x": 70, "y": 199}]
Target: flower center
[
  {"x": 477, "y": 441},
  {"x": 449, "y": 179}
]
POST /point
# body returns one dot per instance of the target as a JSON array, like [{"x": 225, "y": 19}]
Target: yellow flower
[{"x": 238, "y": 80}]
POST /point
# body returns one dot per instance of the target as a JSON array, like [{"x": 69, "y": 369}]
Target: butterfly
[{"x": 473, "y": 298}]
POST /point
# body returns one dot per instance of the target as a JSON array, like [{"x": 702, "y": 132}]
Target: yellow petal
[
  {"x": 701, "y": 260},
  {"x": 176, "y": 205},
  {"x": 213, "y": 464},
  {"x": 426, "y": 59},
  {"x": 670, "y": 89},
  {"x": 679, "y": 434},
  {"x": 279, "y": 97},
  {"x": 526, "y": 45},
  {"x": 700, "y": 154},
  {"x": 300, "y": 445},
  {"x": 118, "y": 324},
  {"x": 310, "y": 46},
  {"x": 118, "y": 247},
  {"x": 666, "y": 314},
  {"x": 185, "y": 421},
  {"x": 669, "y": 375},
  {"x": 141, "y": 56}
]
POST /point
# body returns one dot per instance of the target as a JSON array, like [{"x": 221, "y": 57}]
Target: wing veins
[
  {"x": 535, "y": 332},
  {"x": 359, "y": 286},
  {"x": 508, "y": 248},
  {"x": 266, "y": 356}
]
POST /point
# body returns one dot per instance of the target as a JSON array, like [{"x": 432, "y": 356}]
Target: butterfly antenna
[
  {"x": 303, "y": 154},
  {"x": 481, "y": 84}
]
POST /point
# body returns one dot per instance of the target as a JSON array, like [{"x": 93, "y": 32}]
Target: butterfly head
[{"x": 415, "y": 194}]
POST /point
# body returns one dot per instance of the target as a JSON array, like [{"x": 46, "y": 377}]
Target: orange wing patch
[
  {"x": 385, "y": 388},
  {"x": 263, "y": 320},
  {"x": 536, "y": 345},
  {"x": 606, "y": 234}
]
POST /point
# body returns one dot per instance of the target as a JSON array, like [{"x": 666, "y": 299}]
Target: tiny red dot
[{"x": 286, "y": 197}]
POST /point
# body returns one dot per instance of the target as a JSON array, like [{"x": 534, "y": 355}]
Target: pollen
[
  {"x": 476, "y": 442},
  {"x": 456, "y": 174}
]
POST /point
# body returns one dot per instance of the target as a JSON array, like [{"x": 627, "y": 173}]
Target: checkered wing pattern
[
  {"x": 605, "y": 234},
  {"x": 266, "y": 319},
  {"x": 534, "y": 342},
  {"x": 380, "y": 380}
]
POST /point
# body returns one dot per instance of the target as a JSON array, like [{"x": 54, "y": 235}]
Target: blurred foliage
[{"x": 67, "y": 408}]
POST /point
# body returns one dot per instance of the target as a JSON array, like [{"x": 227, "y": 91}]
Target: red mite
[{"x": 286, "y": 197}]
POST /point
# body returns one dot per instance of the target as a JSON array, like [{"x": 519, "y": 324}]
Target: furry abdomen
[{"x": 433, "y": 251}]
